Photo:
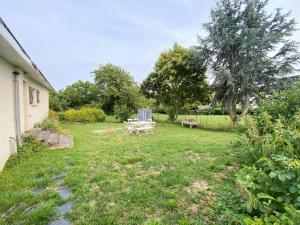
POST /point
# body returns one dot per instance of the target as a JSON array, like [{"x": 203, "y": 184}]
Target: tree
[
  {"x": 55, "y": 102},
  {"x": 178, "y": 78},
  {"x": 117, "y": 89},
  {"x": 248, "y": 49},
  {"x": 80, "y": 94}
]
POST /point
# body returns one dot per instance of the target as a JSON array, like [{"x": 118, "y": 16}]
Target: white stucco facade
[{"x": 24, "y": 94}]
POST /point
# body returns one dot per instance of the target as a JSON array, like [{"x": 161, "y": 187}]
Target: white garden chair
[{"x": 129, "y": 128}]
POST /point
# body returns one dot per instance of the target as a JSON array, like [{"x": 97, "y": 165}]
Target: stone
[
  {"x": 65, "y": 141},
  {"x": 60, "y": 222},
  {"x": 61, "y": 175},
  {"x": 12, "y": 209},
  {"x": 44, "y": 135},
  {"x": 59, "y": 182},
  {"x": 53, "y": 139},
  {"x": 64, "y": 193},
  {"x": 31, "y": 209},
  {"x": 38, "y": 190},
  {"x": 35, "y": 132},
  {"x": 63, "y": 209}
]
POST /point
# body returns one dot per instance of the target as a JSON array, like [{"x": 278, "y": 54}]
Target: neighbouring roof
[{"x": 12, "y": 51}]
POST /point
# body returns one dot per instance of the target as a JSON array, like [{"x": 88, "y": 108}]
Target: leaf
[
  {"x": 293, "y": 189},
  {"x": 280, "y": 199},
  {"x": 282, "y": 177},
  {"x": 272, "y": 174},
  {"x": 264, "y": 196}
]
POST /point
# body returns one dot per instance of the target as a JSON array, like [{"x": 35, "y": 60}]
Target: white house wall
[
  {"x": 36, "y": 111},
  {"x": 7, "y": 113}
]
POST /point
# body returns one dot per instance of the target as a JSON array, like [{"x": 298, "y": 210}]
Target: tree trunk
[
  {"x": 245, "y": 110},
  {"x": 232, "y": 114},
  {"x": 247, "y": 106}
]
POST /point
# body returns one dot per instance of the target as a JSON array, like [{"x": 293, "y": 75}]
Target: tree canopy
[
  {"x": 118, "y": 91},
  {"x": 248, "y": 49},
  {"x": 178, "y": 78}
]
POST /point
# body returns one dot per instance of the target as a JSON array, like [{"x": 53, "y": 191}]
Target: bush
[
  {"x": 30, "y": 145},
  {"x": 122, "y": 112},
  {"x": 282, "y": 103},
  {"x": 49, "y": 124},
  {"x": 83, "y": 115},
  {"x": 270, "y": 181}
]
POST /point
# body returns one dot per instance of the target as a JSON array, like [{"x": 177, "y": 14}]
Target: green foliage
[
  {"x": 116, "y": 87},
  {"x": 265, "y": 138},
  {"x": 285, "y": 103},
  {"x": 178, "y": 78},
  {"x": 49, "y": 124},
  {"x": 270, "y": 181},
  {"x": 80, "y": 94},
  {"x": 83, "y": 115},
  {"x": 56, "y": 103},
  {"x": 76, "y": 95},
  {"x": 248, "y": 49},
  {"x": 122, "y": 112},
  {"x": 30, "y": 146}
]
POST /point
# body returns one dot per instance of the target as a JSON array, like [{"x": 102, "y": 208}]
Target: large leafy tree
[
  {"x": 117, "y": 89},
  {"x": 178, "y": 78},
  {"x": 80, "y": 93},
  {"x": 248, "y": 49},
  {"x": 76, "y": 95}
]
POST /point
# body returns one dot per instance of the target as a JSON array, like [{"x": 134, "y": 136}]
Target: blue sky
[{"x": 68, "y": 39}]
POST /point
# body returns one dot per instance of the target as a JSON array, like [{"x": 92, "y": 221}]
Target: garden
[{"x": 240, "y": 165}]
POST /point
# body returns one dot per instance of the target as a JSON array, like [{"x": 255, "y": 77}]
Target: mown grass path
[{"x": 172, "y": 177}]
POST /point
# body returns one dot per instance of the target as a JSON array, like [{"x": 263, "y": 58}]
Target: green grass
[{"x": 174, "y": 176}]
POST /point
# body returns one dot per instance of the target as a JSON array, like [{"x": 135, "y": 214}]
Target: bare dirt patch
[
  {"x": 137, "y": 165},
  {"x": 199, "y": 185},
  {"x": 109, "y": 130},
  {"x": 151, "y": 171},
  {"x": 194, "y": 156},
  {"x": 202, "y": 208},
  {"x": 192, "y": 208}
]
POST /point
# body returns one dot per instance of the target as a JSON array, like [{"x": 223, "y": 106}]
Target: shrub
[
  {"x": 269, "y": 183},
  {"x": 83, "y": 115},
  {"x": 284, "y": 103},
  {"x": 122, "y": 112},
  {"x": 49, "y": 124},
  {"x": 30, "y": 145}
]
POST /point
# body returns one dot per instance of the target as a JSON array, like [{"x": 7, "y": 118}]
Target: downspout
[{"x": 17, "y": 107}]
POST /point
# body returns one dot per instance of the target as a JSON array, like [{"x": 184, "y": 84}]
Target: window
[
  {"x": 34, "y": 96},
  {"x": 31, "y": 95}
]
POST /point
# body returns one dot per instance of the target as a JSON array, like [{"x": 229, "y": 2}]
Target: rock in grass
[
  {"x": 53, "y": 139},
  {"x": 60, "y": 222},
  {"x": 63, "y": 209},
  {"x": 35, "y": 132},
  {"x": 65, "y": 141},
  {"x": 12, "y": 209},
  {"x": 44, "y": 136},
  {"x": 64, "y": 193}
]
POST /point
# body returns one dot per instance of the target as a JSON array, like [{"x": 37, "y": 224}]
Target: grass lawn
[
  {"x": 174, "y": 176},
  {"x": 211, "y": 122}
]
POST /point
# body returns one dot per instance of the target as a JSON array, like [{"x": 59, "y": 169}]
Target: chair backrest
[
  {"x": 144, "y": 114},
  {"x": 130, "y": 120}
]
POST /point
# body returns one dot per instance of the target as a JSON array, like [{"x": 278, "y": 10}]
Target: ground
[{"x": 174, "y": 176}]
